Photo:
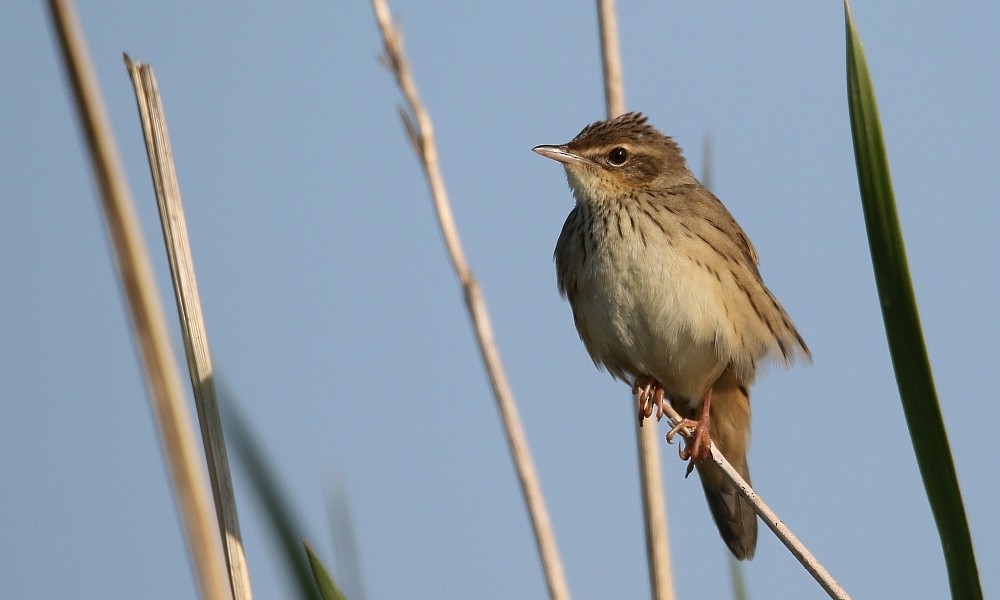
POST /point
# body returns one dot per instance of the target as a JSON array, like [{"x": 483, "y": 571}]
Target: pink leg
[{"x": 699, "y": 446}]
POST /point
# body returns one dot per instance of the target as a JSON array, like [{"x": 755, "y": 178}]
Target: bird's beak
[{"x": 563, "y": 155}]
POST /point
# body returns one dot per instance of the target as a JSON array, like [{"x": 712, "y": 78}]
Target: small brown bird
[{"x": 666, "y": 296}]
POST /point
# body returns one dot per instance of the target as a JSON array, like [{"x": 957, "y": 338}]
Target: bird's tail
[{"x": 730, "y": 429}]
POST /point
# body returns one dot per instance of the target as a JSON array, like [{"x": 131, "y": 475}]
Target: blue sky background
[{"x": 334, "y": 316}]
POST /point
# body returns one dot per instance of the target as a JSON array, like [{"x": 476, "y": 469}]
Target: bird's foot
[
  {"x": 679, "y": 427},
  {"x": 699, "y": 445},
  {"x": 649, "y": 394},
  {"x": 698, "y": 448}
]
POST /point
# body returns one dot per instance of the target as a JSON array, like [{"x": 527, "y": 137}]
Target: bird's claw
[
  {"x": 679, "y": 427},
  {"x": 649, "y": 394},
  {"x": 698, "y": 446}
]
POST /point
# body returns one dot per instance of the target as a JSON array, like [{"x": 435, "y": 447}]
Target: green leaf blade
[
  {"x": 902, "y": 325},
  {"x": 278, "y": 509},
  {"x": 327, "y": 586}
]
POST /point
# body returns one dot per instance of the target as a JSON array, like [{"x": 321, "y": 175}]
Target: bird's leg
[
  {"x": 648, "y": 394},
  {"x": 698, "y": 448}
]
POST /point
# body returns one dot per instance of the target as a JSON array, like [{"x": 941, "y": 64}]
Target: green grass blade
[
  {"x": 265, "y": 484},
  {"x": 343, "y": 533},
  {"x": 738, "y": 580},
  {"x": 902, "y": 326},
  {"x": 327, "y": 587}
]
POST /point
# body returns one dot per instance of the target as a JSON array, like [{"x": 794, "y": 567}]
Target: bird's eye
[{"x": 618, "y": 156}]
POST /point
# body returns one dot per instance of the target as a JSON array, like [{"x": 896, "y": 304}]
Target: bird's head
[{"x": 619, "y": 156}]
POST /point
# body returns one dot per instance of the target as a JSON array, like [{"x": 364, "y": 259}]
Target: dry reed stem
[
  {"x": 654, "y": 504},
  {"x": 819, "y": 573},
  {"x": 148, "y": 322},
  {"x": 611, "y": 62},
  {"x": 175, "y": 236},
  {"x": 421, "y": 134}
]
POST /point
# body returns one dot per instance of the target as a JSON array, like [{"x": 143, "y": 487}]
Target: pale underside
[{"x": 644, "y": 306}]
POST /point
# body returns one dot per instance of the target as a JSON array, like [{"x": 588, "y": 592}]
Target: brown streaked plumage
[{"x": 666, "y": 295}]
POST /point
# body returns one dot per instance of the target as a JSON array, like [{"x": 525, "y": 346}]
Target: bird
[{"x": 667, "y": 296}]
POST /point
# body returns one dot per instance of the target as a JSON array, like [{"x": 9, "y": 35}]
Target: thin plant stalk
[
  {"x": 148, "y": 322},
  {"x": 421, "y": 134},
  {"x": 902, "y": 325},
  {"x": 770, "y": 518},
  {"x": 611, "y": 62},
  {"x": 654, "y": 506},
  {"x": 192, "y": 321}
]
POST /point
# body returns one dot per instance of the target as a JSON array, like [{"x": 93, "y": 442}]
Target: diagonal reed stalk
[
  {"x": 654, "y": 504},
  {"x": 770, "y": 518},
  {"x": 902, "y": 325},
  {"x": 192, "y": 321},
  {"x": 148, "y": 322},
  {"x": 421, "y": 134}
]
